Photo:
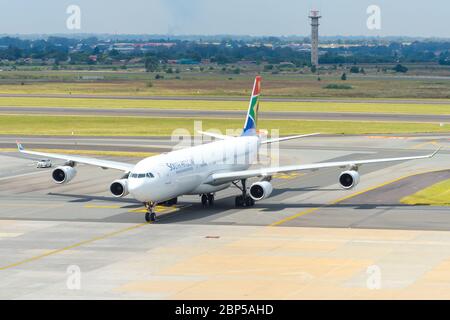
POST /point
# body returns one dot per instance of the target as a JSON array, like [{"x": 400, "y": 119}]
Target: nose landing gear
[{"x": 150, "y": 215}]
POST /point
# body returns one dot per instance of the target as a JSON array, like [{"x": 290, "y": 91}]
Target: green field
[
  {"x": 436, "y": 195},
  {"x": 221, "y": 84},
  {"x": 134, "y": 126},
  {"x": 397, "y": 108}
]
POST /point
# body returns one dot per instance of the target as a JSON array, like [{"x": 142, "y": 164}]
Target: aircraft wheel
[
  {"x": 249, "y": 202},
  {"x": 239, "y": 201},
  {"x": 210, "y": 200},
  {"x": 150, "y": 217},
  {"x": 204, "y": 200}
]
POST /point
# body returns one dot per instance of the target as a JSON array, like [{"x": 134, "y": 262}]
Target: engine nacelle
[
  {"x": 63, "y": 174},
  {"x": 119, "y": 188},
  {"x": 349, "y": 179},
  {"x": 260, "y": 190}
]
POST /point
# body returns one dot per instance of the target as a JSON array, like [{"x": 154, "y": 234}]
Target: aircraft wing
[
  {"x": 105, "y": 164},
  {"x": 289, "y": 138},
  {"x": 219, "y": 178}
]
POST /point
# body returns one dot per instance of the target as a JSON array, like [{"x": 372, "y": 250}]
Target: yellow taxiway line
[
  {"x": 311, "y": 210},
  {"x": 78, "y": 244},
  {"x": 93, "y": 206},
  {"x": 164, "y": 210},
  {"x": 420, "y": 145}
]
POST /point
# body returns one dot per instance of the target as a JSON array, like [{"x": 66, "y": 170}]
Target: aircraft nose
[{"x": 137, "y": 189}]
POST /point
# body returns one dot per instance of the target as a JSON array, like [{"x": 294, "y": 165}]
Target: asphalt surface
[
  {"x": 290, "y": 190},
  {"x": 175, "y": 113},
  {"x": 310, "y": 239},
  {"x": 367, "y": 143},
  {"x": 226, "y": 98},
  {"x": 391, "y": 194}
]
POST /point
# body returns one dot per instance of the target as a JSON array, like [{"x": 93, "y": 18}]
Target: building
[{"x": 315, "y": 16}]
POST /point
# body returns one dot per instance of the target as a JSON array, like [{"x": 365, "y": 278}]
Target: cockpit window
[{"x": 142, "y": 175}]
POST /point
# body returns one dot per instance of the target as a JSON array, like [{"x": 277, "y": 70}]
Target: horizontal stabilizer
[{"x": 215, "y": 135}]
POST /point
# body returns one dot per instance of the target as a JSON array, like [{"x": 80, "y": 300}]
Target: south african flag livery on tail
[{"x": 252, "y": 114}]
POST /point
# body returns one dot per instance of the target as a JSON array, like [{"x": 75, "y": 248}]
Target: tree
[
  {"x": 151, "y": 64},
  {"x": 268, "y": 67},
  {"x": 221, "y": 59},
  {"x": 114, "y": 53},
  {"x": 313, "y": 69},
  {"x": 400, "y": 68},
  {"x": 354, "y": 69},
  {"x": 444, "y": 58},
  {"x": 344, "y": 76}
]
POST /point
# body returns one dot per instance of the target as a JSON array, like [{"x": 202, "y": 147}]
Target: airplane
[{"x": 207, "y": 168}]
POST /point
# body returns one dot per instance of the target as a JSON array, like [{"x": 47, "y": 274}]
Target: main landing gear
[
  {"x": 207, "y": 199},
  {"x": 243, "y": 200},
  {"x": 150, "y": 215}
]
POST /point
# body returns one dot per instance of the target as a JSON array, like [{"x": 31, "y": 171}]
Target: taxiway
[{"x": 309, "y": 240}]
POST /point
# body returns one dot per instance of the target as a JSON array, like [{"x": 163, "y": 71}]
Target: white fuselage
[{"x": 181, "y": 172}]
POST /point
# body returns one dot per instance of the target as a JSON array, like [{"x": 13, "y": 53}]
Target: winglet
[
  {"x": 436, "y": 152},
  {"x": 19, "y": 146}
]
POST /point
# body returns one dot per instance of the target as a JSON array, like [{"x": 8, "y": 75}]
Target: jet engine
[
  {"x": 260, "y": 190},
  {"x": 119, "y": 188},
  {"x": 63, "y": 174},
  {"x": 349, "y": 179}
]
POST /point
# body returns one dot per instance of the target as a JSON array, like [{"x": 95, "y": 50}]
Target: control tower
[{"x": 314, "y": 16}]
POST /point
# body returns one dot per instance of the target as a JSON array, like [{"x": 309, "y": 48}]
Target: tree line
[{"x": 80, "y": 51}]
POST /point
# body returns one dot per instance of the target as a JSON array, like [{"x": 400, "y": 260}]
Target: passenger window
[
  {"x": 134, "y": 175},
  {"x": 141, "y": 176}
]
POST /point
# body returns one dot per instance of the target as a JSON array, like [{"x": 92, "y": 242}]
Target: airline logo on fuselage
[{"x": 181, "y": 165}]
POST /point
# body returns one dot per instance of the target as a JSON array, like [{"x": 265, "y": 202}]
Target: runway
[
  {"x": 309, "y": 240},
  {"x": 225, "y": 98},
  {"x": 176, "y": 113}
]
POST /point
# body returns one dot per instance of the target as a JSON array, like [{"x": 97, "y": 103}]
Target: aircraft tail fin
[{"x": 252, "y": 113}]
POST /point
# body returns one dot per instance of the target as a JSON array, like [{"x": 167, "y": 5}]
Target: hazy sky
[{"x": 244, "y": 17}]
